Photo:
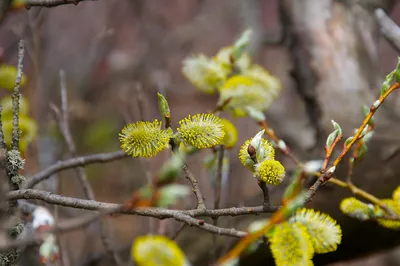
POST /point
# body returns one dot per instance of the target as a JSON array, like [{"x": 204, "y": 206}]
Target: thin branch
[
  {"x": 208, "y": 227},
  {"x": 389, "y": 28},
  {"x": 52, "y": 3},
  {"x": 16, "y": 96},
  {"x": 3, "y": 146},
  {"x": 73, "y": 163},
  {"x": 217, "y": 196},
  {"x": 64, "y": 116},
  {"x": 159, "y": 213},
  {"x": 196, "y": 189},
  {"x": 185, "y": 216},
  {"x": 265, "y": 191}
]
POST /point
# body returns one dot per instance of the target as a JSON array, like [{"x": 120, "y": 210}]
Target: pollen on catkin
[
  {"x": 391, "y": 224},
  {"x": 154, "y": 250},
  {"x": 355, "y": 208},
  {"x": 325, "y": 233},
  {"x": 144, "y": 139},
  {"x": 245, "y": 159},
  {"x": 270, "y": 171},
  {"x": 201, "y": 130},
  {"x": 291, "y": 245}
]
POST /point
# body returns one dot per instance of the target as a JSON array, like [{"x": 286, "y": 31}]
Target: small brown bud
[{"x": 251, "y": 150}]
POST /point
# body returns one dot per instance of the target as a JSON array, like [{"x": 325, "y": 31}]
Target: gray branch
[
  {"x": 185, "y": 216},
  {"x": 52, "y": 3},
  {"x": 389, "y": 28},
  {"x": 159, "y": 213}
]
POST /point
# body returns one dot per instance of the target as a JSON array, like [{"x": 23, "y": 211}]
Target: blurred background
[{"x": 117, "y": 54}]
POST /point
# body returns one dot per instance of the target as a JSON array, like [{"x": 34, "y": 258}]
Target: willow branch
[
  {"x": 53, "y": 3},
  {"x": 195, "y": 185},
  {"x": 16, "y": 96},
  {"x": 159, "y": 213},
  {"x": 185, "y": 216}
]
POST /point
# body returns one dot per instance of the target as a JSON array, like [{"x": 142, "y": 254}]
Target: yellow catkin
[
  {"x": 244, "y": 157},
  {"x": 144, "y": 139},
  {"x": 396, "y": 194},
  {"x": 391, "y": 224},
  {"x": 204, "y": 73},
  {"x": 355, "y": 208},
  {"x": 325, "y": 233},
  {"x": 157, "y": 250},
  {"x": 271, "y": 172},
  {"x": 231, "y": 134},
  {"x": 291, "y": 245},
  {"x": 201, "y": 130}
]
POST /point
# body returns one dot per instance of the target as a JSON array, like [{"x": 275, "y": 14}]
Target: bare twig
[
  {"x": 196, "y": 189},
  {"x": 73, "y": 163},
  {"x": 52, "y": 3},
  {"x": 16, "y": 96},
  {"x": 159, "y": 213},
  {"x": 389, "y": 28},
  {"x": 265, "y": 191},
  {"x": 64, "y": 116},
  {"x": 217, "y": 194},
  {"x": 185, "y": 216},
  {"x": 3, "y": 146}
]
